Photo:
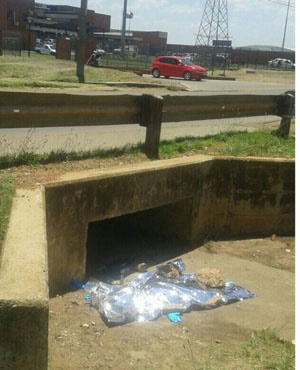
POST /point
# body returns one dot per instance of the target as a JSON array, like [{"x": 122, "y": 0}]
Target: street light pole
[
  {"x": 29, "y": 37},
  {"x": 29, "y": 22},
  {"x": 123, "y": 29},
  {"x": 285, "y": 26}
]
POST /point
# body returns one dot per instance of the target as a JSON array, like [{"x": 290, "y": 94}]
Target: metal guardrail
[{"x": 20, "y": 110}]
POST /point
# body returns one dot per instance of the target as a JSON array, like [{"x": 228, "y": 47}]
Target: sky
[{"x": 255, "y": 22}]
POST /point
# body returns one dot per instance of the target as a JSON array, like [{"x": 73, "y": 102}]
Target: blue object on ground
[
  {"x": 174, "y": 316},
  {"x": 77, "y": 284}
]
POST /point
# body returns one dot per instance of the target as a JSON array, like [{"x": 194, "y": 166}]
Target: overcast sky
[{"x": 255, "y": 22}]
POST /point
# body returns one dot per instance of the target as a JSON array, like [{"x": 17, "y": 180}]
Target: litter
[
  {"x": 164, "y": 291},
  {"x": 174, "y": 316}
]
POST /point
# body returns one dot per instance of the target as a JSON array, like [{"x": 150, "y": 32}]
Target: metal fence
[
  {"x": 11, "y": 46},
  {"x": 19, "y": 109}
]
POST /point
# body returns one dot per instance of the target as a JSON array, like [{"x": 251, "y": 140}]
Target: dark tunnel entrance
[{"x": 151, "y": 236}]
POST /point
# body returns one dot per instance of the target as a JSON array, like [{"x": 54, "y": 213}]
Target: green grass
[
  {"x": 7, "y": 192},
  {"x": 46, "y": 71},
  {"x": 261, "y": 143},
  {"x": 266, "y": 351},
  {"x": 30, "y": 158}
]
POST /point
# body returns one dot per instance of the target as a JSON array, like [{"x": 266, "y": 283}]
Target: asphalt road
[
  {"x": 44, "y": 140},
  {"x": 209, "y": 87}
]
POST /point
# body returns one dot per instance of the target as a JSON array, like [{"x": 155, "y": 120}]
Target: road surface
[
  {"x": 45, "y": 140},
  {"x": 209, "y": 87}
]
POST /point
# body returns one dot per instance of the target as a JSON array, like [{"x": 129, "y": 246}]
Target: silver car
[
  {"x": 45, "y": 49},
  {"x": 281, "y": 63}
]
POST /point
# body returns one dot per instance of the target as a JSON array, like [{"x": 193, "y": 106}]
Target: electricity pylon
[{"x": 214, "y": 23}]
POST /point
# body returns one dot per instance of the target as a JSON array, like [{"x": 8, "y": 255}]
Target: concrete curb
[
  {"x": 131, "y": 84},
  {"x": 24, "y": 286}
]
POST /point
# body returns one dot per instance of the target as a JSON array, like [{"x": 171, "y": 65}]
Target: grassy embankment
[{"x": 43, "y": 71}]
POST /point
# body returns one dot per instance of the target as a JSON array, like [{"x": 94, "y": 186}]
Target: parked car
[
  {"x": 129, "y": 50},
  {"x": 45, "y": 49},
  {"x": 174, "y": 66},
  {"x": 117, "y": 51},
  {"x": 281, "y": 63}
]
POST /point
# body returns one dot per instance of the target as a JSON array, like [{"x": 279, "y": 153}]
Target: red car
[{"x": 171, "y": 66}]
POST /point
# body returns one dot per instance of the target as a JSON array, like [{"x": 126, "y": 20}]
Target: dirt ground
[{"x": 79, "y": 338}]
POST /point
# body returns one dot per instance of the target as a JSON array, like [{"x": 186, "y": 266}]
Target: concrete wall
[
  {"x": 70, "y": 205},
  {"x": 206, "y": 197},
  {"x": 246, "y": 198}
]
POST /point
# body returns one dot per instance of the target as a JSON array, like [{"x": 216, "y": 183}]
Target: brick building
[
  {"x": 62, "y": 19},
  {"x": 13, "y": 20},
  {"x": 49, "y": 21},
  {"x": 152, "y": 42},
  {"x": 53, "y": 21}
]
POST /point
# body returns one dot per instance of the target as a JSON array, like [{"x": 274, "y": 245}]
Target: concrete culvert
[
  {"x": 131, "y": 243},
  {"x": 147, "y": 210},
  {"x": 191, "y": 199}
]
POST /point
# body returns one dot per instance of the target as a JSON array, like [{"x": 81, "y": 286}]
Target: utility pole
[
  {"x": 81, "y": 41},
  {"x": 123, "y": 29},
  {"x": 285, "y": 26}
]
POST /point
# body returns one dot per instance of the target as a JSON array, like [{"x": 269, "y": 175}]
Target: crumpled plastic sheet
[{"x": 149, "y": 295}]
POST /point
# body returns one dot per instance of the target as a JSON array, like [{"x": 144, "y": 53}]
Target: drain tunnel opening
[{"x": 151, "y": 236}]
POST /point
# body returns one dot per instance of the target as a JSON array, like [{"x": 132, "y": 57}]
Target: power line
[{"x": 285, "y": 3}]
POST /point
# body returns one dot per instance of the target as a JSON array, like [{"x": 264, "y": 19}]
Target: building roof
[{"x": 264, "y": 48}]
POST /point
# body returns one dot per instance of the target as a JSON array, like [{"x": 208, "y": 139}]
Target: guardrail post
[
  {"x": 286, "y": 108},
  {"x": 151, "y": 117}
]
